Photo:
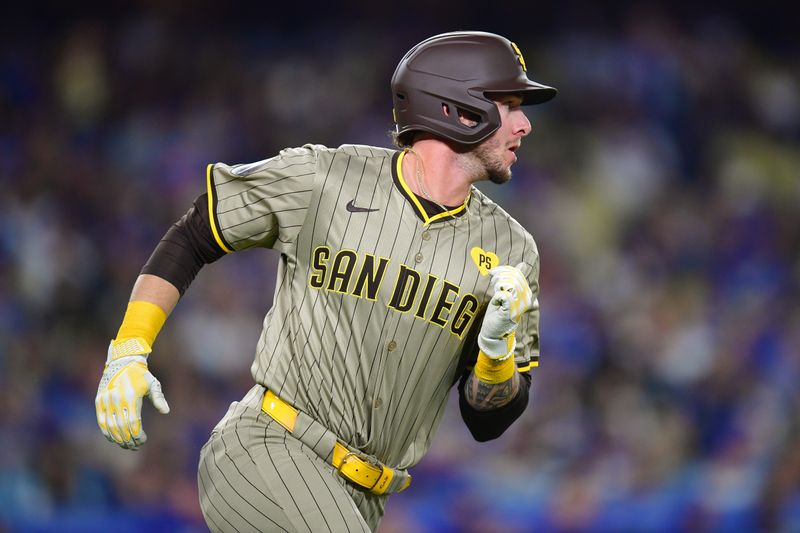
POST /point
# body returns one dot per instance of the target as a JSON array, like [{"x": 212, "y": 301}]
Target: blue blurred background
[{"x": 662, "y": 187}]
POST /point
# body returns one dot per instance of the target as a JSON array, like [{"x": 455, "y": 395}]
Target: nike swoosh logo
[{"x": 355, "y": 209}]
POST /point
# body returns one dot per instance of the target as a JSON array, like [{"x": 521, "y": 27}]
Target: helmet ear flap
[
  {"x": 459, "y": 116},
  {"x": 468, "y": 118}
]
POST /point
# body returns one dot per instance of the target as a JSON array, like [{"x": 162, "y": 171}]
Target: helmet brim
[{"x": 532, "y": 93}]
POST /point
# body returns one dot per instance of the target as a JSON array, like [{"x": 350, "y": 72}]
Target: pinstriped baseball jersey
[{"x": 373, "y": 297}]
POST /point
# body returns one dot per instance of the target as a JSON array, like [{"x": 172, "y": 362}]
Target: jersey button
[
  {"x": 418, "y": 258},
  {"x": 378, "y": 403},
  {"x": 426, "y": 236},
  {"x": 392, "y": 346}
]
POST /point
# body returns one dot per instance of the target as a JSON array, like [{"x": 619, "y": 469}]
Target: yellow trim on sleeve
[
  {"x": 527, "y": 368},
  {"x": 211, "y": 210},
  {"x": 416, "y": 201}
]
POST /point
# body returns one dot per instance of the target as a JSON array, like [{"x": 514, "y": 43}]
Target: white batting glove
[
  {"x": 126, "y": 380},
  {"x": 512, "y": 297}
]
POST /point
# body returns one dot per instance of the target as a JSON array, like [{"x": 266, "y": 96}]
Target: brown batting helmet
[{"x": 458, "y": 69}]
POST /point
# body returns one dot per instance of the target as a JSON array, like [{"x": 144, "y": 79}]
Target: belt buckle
[
  {"x": 363, "y": 457},
  {"x": 361, "y": 469}
]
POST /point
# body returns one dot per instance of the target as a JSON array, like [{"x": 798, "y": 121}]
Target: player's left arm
[
  {"x": 488, "y": 424},
  {"x": 495, "y": 393},
  {"x": 483, "y": 396}
]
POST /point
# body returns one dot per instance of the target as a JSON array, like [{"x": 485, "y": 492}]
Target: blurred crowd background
[{"x": 662, "y": 186}]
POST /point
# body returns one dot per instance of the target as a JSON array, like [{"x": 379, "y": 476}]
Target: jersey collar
[{"x": 427, "y": 211}]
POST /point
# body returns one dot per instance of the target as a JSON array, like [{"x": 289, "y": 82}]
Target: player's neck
[{"x": 431, "y": 169}]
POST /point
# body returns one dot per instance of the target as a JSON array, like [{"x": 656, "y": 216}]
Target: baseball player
[{"x": 397, "y": 280}]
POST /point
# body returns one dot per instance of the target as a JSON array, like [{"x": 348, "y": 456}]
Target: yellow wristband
[
  {"x": 494, "y": 371},
  {"x": 142, "y": 319}
]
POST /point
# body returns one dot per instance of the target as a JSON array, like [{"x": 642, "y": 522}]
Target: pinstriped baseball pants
[{"x": 254, "y": 476}]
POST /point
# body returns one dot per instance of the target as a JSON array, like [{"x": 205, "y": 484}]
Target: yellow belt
[{"x": 353, "y": 466}]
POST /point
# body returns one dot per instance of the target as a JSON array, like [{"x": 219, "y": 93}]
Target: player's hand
[
  {"x": 126, "y": 380},
  {"x": 512, "y": 297}
]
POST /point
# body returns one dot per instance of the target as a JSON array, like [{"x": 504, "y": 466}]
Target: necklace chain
[{"x": 418, "y": 175}]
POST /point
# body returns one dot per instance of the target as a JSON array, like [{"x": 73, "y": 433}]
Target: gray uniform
[{"x": 372, "y": 305}]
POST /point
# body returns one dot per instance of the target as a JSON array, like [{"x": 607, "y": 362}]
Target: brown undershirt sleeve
[{"x": 185, "y": 248}]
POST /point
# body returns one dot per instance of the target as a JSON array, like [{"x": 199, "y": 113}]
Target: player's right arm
[
  {"x": 261, "y": 204},
  {"x": 126, "y": 379}
]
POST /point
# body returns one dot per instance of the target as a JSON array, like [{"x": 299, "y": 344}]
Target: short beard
[
  {"x": 486, "y": 154},
  {"x": 499, "y": 176}
]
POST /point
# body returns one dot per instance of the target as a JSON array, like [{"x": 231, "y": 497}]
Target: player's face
[{"x": 497, "y": 153}]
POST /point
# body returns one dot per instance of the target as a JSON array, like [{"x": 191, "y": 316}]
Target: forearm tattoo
[{"x": 485, "y": 396}]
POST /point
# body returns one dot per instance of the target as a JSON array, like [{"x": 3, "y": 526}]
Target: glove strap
[
  {"x": 142, "y": 320},
  {"x": 125, "y": 347}
]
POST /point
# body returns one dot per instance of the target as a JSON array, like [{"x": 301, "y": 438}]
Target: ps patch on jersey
[{"x": 485, "y": 261}]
